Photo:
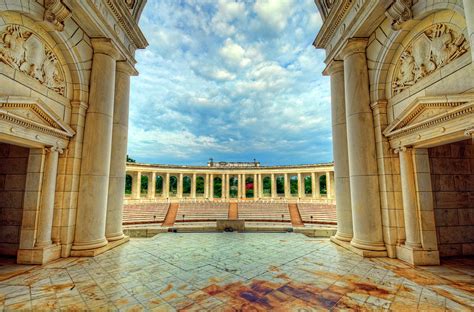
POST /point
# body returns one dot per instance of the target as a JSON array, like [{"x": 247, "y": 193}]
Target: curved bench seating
[
  {"x": 202, "y": 211},
  {"x": 264, "y": 211},
  {"x": 145, "y": 213},
  {"x": 320, "y": 213}
]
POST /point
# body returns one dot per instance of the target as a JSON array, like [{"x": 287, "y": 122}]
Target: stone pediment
[
  {"x": 431, "y": 116},
  {"x": 33, "y": 114}
]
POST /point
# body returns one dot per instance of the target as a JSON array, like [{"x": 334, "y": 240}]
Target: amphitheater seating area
[
  {"x": 202, "y": 211},
  {"x": 264, "y": 211},
  {"x": 144, "y": 213},
  {"x": 320, "y": 213}
]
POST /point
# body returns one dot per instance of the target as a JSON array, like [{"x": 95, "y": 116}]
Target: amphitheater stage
[
  {"x": 238, "y": 272},
  {"x": 150, "y": 230}
]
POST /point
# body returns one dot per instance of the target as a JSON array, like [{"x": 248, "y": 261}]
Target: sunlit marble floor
[{"x": 231, "y": 271}]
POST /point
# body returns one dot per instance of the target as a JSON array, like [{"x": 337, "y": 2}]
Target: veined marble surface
[{"x": 238, "y": 272}]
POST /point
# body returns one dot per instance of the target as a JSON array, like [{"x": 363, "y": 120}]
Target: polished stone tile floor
[{"x": 238, "y": 272}]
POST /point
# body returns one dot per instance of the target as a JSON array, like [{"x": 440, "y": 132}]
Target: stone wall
[
  {"x": 13, "y": 165},
  {"x": 452, "y": 173}
]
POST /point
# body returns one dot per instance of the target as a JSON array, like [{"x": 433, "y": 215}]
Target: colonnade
[
  {"x": 241, "y": 181},
  {"x": 100, "y": 206},
  {"x": 357, "y": 186}
]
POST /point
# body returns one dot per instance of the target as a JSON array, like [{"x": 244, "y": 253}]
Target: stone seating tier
[
  {"x": 259, "y": 211},
  {"x": 319, "y": 213},
  {"x": 145, "y": 213}
]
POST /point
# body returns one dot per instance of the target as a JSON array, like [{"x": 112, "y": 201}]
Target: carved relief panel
[
  {"x": 435, "y": 47},
  {"x": 24, "y": 51}
]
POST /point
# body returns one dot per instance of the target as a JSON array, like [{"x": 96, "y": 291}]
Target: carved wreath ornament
[
  {"x": 435, "y": 47},
  {"x": 24, "y": 51}
]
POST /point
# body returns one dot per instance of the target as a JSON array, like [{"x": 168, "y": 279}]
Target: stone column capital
[
  {"x": 126, "y": 68},
  {"x": 105, "y": 46},
  {"x": 402, "y": 149},
  {"x": 469, "y": 132},
  {"x": 54, "y": 149},
  {"x": 353, "y": 46},
  {"x": 333, "y": 67}
]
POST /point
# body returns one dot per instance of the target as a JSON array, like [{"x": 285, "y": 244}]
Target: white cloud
[
  {"x": 274, "y": 12},
  {"x": 231, "y": 80},
  {"x": 234, "y": 54}
]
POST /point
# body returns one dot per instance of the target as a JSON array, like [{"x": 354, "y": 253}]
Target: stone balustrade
[{"x": 166, "y": 182}]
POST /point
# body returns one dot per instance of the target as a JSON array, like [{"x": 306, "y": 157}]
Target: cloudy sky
[{"x": 231, "y": 80}]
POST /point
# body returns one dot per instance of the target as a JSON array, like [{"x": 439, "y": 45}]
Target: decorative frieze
[
  {"x": 435, "y": 47},
  {"x": 56, "y": 12},
  {"x": 24, "y": 51}
]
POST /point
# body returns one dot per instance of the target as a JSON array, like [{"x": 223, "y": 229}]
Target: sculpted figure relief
[
  {"x": 434, "y": 48},
  {"x": 25, "y": 52}
]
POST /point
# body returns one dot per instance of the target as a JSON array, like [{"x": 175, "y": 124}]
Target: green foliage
[
  {"x": 128, "y": 184},
  {"x": 130, "y": 160},
  {"x": 217, "y": 187}
]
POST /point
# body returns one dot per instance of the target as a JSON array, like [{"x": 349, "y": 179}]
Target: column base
[
  {"x": 343, "y": 237},
  {"x": 416, "y": 256},
  {"x": 97, "y": 251},
  {"x": 361, "y": 252},
  {"x": 114, "y": 237},
  {"x": 39, "y": 255},
  {"x": 366, "y": 245}
]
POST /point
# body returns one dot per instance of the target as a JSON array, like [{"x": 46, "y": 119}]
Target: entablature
[
  {"x": 29, "y": 119},
  {"x": 428, "y": 120},
  {"x": 114, "y": 19}
]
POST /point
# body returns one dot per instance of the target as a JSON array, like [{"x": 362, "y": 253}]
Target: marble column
[
  {"x": 255, "y": 186},
  {"x": 166, "y": 185},
  {"x": 274, "y": 186},
  {"x": 410, "y": 209},
  {"x": 48, "y": 191},
  {"x": 180, "y": 186},
  {"x": 211, "y": 186},
  {"x": 260, "y": 186},
  {"x": 193, "y": 186},
  {"x": 313, "y": 185},
  {"x": 239, "y": 186},
  {"x": 317, "y": 189},
  {"x": 97, "y": 149},
  {"x": 151, "y": 185},
  {"x": 287, "y": 186},
  {"x": 136, "y": 185},
  {"x": 244, "y": 186},
  {"x": 113, "y": 227},
  {"x": 328, "y": 185},
  {"x": 364, "y": 184},
  {"x": 206, "y": 185},
  {"x": 300, "y": 186},
  {"x": 223, "y": 186},
  {"x": 469, "y": 14},
  {"x": 341, "y": 159}
]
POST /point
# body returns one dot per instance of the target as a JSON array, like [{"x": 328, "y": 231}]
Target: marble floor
[{"x": 237, "y": 272}]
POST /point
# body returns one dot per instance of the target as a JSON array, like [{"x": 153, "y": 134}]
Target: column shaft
[
  {"x": 113, "y": 228},
  {"x": 180, "y": 186},
  {"x": 364, "y": 184},
  {"x": 469, "y": 14},
  {"x": 193, "y": 186},
  {"x": 166, "y": 185},
  {"x": 274, "y": 186},
  {"x": 223, "y": 186},
  {"x": 244, "y": 186},
  {"x": 341, "y": 160},
  {"x": 151, "y": 185},
  {"x": 48, "y": 192},
  {"x": 97, "y": 150},
  {"x": 211, "y": 186},
  {"x": 136, "y": 185},
  {"x": 313, "y": 185},
  {"x": 410, "y": 209},
  {"x": 287, "y": 186},
  {"x": 300, "y": 186}
]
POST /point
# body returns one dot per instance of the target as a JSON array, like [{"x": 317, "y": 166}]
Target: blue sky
[{"x": 232, "y": 80}]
